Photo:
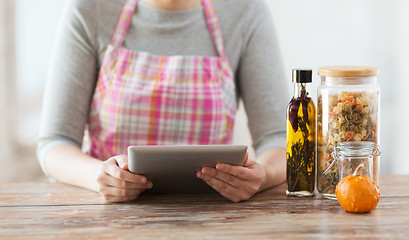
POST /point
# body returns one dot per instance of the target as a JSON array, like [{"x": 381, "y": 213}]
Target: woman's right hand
[{"x": 117, "y": 184}]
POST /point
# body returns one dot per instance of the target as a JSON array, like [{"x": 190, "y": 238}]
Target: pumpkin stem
[{"x": 359, "y": 168}]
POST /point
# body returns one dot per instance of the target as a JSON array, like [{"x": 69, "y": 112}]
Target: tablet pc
[{"x": 172, "y": 169}]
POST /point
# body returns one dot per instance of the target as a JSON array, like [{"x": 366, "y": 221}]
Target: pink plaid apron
[{"x": 146, "y": 99}]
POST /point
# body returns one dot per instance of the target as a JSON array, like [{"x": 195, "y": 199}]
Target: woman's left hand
[{"x": 236, "y": 183}]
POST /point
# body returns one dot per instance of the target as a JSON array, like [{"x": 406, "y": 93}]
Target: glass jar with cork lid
[
  {"x": 354, "y": 156},
  {"x": 347, "y": 110}
]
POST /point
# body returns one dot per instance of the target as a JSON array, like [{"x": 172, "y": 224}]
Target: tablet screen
[{"x": 172, "y": 169}]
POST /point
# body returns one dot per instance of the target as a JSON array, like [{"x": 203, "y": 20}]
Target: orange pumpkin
[{"x": 357, "y": 194}]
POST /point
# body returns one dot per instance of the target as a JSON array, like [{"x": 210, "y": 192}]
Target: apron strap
[
  {"x": 211, "y": 19},
  {"x": 214, "y": 26},
  {"x": 123, "y": 23}
]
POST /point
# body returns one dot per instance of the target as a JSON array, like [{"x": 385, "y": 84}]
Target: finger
[
  {"x": 243, "y": 185},
  {"x": 108, "y": 180},
  {"x": 245, "y": 160},
  {"x": 116, "y": 199},
  {"x": 225, "y": 177},
  {"x": 244, "y": 173},
  {"x": 217, "y": 184},
  {"x": 122, "y": 161},
  {"x": 119, "y": 192},
  {"x": 124, "y": 175},
  {"x": 125, "y": 167},
  {"x": 223, "y": 188},
  {"x": 249, "y": 162}
]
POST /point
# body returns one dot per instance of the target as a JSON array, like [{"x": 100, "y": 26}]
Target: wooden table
[{"x": 41, "y": 210}]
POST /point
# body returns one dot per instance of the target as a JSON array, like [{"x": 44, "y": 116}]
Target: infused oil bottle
[{"x": 301, "y": 138}]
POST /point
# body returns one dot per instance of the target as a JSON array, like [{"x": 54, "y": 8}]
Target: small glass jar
[
  {"x": 355, "y": 157},
  {"x": 347, "y": 110}
]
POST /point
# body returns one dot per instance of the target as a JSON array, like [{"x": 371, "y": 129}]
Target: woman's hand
[
  {"x": 117, "y": 184},
  {"x": 236, "y": 183}
]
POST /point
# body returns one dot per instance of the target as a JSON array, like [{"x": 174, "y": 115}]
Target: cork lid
[{"x": 348, "y": 71}]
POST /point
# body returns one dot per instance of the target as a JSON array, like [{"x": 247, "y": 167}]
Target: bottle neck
[{"x": 300, "y": 89}]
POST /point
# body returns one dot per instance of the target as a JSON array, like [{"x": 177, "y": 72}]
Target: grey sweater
[{"x": 87, "y": 26}]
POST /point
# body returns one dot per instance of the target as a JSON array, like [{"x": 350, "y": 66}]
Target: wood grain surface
[{"x": 57, "y": 211}]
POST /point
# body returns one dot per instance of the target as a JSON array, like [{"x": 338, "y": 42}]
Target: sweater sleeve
[
  {"x": 262, "y": 83},
  {"x": 71, "y": 80}
]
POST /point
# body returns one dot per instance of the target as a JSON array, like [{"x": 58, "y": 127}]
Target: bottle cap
[{"x": 302, "y": 75}]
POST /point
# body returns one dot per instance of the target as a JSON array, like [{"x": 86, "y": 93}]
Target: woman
[{"x": 168, "y": 72}]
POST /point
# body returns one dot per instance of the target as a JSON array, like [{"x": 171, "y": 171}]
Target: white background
[{"x": 311, "y": 34}]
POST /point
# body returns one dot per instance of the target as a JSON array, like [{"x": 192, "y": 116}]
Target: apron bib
[{"x": 146, "y": 99}]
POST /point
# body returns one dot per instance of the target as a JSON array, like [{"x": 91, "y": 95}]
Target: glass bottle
[
  {"x": 348, "y": 110},
  {"x": 301, "y": 138}
]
